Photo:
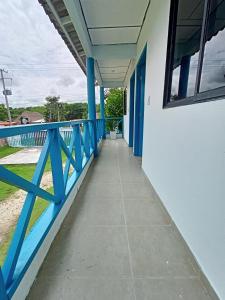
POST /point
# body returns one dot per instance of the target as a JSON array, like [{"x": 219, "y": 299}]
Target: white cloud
[{"x": 36, "y": 56}]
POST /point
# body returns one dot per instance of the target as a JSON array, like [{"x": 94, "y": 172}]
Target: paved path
[
  {"x": 25, "y": 156},
  {"x": 117, "y": 242}
]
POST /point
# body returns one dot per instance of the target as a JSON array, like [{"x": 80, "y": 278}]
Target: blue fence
[
  {"x": 37, "y": 139},
  {"x": 78, "y": 148}
]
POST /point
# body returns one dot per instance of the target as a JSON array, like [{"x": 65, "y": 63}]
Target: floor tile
[
  {"x": 145, "y": 212},
  {"x": 157, "y": 252},
  {"x": 100, "y": 251},
  {"x": 137, "y": 190},
  {"x": 101, "y": 190},
  {"x": 170, "y": 289},
  {"x": 101, "y": 211},
  {"x": 98, "y": 289},
  {"x": 47, "y": 289}
]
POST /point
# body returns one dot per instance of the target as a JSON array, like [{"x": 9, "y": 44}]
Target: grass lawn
[
  {"x": 6, "y": 150},
  {"x": 25, "y": 171}
]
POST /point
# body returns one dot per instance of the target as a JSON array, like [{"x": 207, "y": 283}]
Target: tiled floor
[{"x": 117, "y": 243}]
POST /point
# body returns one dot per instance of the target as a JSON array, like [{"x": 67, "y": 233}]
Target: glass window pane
[
  {"x": 187, "y": 45},
  {"x": 213, "y": 72}
]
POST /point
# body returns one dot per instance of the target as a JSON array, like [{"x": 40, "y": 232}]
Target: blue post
[
  {"x": 102, "y": 109},
  {"x": 91, "y": 98},
  {"x": 184, "y": 75}
]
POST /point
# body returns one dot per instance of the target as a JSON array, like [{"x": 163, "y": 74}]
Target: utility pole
[{"x": 5, "y": 94}]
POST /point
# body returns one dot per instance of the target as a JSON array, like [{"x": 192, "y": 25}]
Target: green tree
[
  {"x": 73, "y": 111},
  {"x": 53, "y": 109},
  {"x": 114, "y": 107},
  {"x": 3, "y": 113}
]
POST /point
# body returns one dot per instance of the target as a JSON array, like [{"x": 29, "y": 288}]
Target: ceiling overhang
[{"x": 101, "y": 29}]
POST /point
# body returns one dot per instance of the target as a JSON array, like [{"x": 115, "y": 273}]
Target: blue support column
[
  {"x": 102, "y": 108},
  {"x": 91, "y": 98},
  {"x": 184, "y": 75}
]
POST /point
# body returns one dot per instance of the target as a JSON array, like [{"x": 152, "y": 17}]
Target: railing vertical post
[
  {"x": 102, "y": 109},
  {"x": 77, "y": 145},
  {"x": 3, "y": 295},
  {"x": 91, "y": 98},
  {"x": 56, "y": 164},
  {"x": 87, "y": 142}
]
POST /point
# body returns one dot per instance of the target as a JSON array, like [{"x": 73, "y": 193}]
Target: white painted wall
[{"x": 184, "y": 155}]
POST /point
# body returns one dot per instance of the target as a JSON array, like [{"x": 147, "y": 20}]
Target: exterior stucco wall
[{"x": 184, "y": 155}]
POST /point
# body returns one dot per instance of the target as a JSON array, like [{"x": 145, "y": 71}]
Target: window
[{"x": 195, "y": 68}]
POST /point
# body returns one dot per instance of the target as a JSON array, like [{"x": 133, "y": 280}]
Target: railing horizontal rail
[{"x": 18, "y": 129}]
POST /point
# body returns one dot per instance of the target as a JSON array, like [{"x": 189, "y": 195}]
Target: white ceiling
[
  {"x": 109, "y": 36},
  {"x": 113, "y": 13},
  {"x": 114, "y": 22},
  {"x": 113, "y": 62}
]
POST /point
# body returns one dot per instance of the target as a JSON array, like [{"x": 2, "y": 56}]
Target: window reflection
[
  {"x": 187, "y": 45},
  {"x": 213, "y": 72}
]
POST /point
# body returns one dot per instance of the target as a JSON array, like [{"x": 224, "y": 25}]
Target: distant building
[
  {"x": 28, "y": 117},
  {"x": 6, "y": 123}
]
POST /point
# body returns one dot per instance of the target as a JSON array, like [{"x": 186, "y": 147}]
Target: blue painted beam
[{"x": 91, "y": 98}]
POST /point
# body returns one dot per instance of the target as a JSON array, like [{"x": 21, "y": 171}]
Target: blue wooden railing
[{"x": 24, "y": 247}]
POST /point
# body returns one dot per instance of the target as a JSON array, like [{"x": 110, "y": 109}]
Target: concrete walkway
[
  {"x": 118, "y": 243},
  {"x": 25, "y": 156}
]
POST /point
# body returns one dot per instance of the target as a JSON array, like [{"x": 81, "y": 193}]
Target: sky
[{"x": 36, "y": 57}]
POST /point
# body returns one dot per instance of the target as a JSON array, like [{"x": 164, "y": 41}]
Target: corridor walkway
[{"x": 118, "y": 243}]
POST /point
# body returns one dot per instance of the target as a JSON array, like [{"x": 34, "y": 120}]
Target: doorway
[
  {"x": 131, "y": 113},
  {"x": 139, "y": 104}
]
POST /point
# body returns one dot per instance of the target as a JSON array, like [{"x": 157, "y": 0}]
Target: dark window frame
[{"x": 210, "y": 95}]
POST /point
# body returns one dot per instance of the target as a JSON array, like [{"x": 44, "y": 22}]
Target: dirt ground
[{"x": 11, "y": 207}]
